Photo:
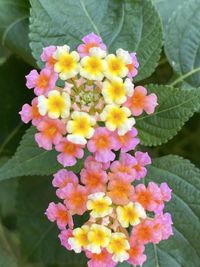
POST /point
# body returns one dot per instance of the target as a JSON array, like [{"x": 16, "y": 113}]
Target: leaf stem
[
  {"x": 156, "y": 255},
  {"x": 183, "y": 77}
]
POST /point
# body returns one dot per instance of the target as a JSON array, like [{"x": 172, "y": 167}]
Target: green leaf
[
  {"x": 29, "y": 159},
  {"x": 182, "y": 45},
  {"x": 14, "y": 27},
  {"x": 39, "y": 237},
  {"x": 175, "y": 107},
  {"x": 13, "y": 95},
  {"x": 130, "y": 24},
  {"x": 166, "y": 9},
  {"x": 183, "y": 249},
  {"x": 7, "y": 253}
]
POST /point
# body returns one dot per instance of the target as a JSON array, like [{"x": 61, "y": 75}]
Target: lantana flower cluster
[
  {"x": 79, "y": 91},
  {"x": 85, "y": 100}
]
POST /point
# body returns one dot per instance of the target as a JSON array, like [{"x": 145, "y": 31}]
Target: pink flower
[
  {"x": 101, "y": 144},
  {"x": 149, "y": 197},
  {"x": 29, "y": 113},
  {"x": 91, "y": 162},
  {"x": 104, "y": 259},
  {"x": 125, "y": 166},
  {"x": 69, "y": 152},
  {"x": 136, "y": 253},
  {"x": 47, "y": 56},
  {"x": 64, "y": 236},
  {"x": 119, "y": 190},
  {"x": 166, "y": 192},
  {"x": 142, "y": 159},
  {"x": 140, "y": 101},
  {"x": 144, "y": 232},
  {"x": 133, "y": 67},
  {"x": 128, "y": 141},
  {"x": 75, "y": 198},
  {"x": 64, "y": 177},
  {"x": 59, "y": 213},
  {"x": 50, "y": 132},
  {"x": 94, "y": 179},
  {"x": 43, "y": 82},
  {"x": 90, "y": 40},
  {"x": 163, "y": 223}
]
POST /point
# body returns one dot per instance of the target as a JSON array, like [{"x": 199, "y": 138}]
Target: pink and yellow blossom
[
  {"x": 42, "y": 82},
  {"x": 69, "y": 152}
]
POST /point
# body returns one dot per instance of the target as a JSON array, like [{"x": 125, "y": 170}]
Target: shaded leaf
[
  {"x": 175, "y": 107},
  {"x": 131, "y": 24},
  {"x": 7, "y": 253},
  {"x": 14, "y": 27},
  {"x": 182, "y": 45},
  {"x": 13, "y": 96}
]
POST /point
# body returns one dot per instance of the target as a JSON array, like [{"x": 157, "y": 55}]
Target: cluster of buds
[{"x": 86, "y": 100}]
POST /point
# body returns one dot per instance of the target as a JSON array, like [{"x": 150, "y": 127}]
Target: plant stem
[
  {"x": 183, "y": 77},
  {"x": 156, "y": 255}
]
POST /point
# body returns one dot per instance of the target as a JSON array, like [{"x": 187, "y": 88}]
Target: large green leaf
[
  {"x": 130, "y": 24},
  {"x": 166, "y": 9},
  {"x": 175, "y": 107},
  {"x": 182, "y": 45},
  {"x": 39, "y": 237},
  {"x": 29, "y": 159},
  {"x": 14, "y": 27}
]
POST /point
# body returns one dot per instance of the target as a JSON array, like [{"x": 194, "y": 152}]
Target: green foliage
[
  {"x": 13, "y": 95},
  {"x": 182, "y": 44},
  {"x": 134, "y": 25},
  {"x": 39, "y": 237},
  {"x": 176, "y": 106},
  {"x": 131, "y": 24},
  {"x": 14, "y": 17},
  {"x": 166, "y": 8}
]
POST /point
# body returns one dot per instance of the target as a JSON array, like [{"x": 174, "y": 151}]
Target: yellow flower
[
  {"x": 116, "y": 117},
  {"x": 56, "y": 104},
  {"x": 79, "y": 240},
  {"x": 80, "y": 127},
  {"x": 99, "y": 204},
  {"x": 116, "y": 64},
  {"x": 130, "y": 214},
  {"x": 119, "y": 247},
  {"x": 93, "y": 66},
  {"x": 116, "y": 92},
  {"x": 98, "y": 237},
  {"x": 66, "y": 62}
]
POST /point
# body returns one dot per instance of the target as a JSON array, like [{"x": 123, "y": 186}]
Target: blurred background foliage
[{"x": 15, "y": 62}]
